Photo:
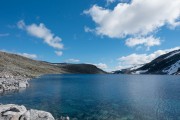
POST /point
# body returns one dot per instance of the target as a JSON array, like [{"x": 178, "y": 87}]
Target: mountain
[
  {"x": 127, "y": 70},
  {"x": 165, "y": 64},
  {"x": 18, "y": 65},
  {"x": 80, "y": 68}
]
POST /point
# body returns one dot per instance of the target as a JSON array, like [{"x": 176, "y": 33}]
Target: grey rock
[
  {"x": 26, "y": 116},
  {"x": 40, "y": 115},
  {"x": 9, "y": 84},
  {"x": 15, "y": 112},
  {"x": 15, "y": 117},
  {"x": 23, "y": 84}
]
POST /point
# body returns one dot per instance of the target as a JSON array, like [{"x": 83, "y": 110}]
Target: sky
[{"x": 112, "y": 34}]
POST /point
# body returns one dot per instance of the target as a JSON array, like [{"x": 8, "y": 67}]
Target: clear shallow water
[{"x": 103, "y": 97}]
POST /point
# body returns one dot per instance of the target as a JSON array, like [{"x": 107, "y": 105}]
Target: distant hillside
[
  {"x": 19, "y": 65},
  {"x": 165, "y": 64},
  {"x": 80, "y": 68}
]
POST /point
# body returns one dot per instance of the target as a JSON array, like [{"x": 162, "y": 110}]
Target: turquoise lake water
[{"x": 102, "y": 97}]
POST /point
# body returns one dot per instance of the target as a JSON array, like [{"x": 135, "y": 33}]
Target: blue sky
[{"x": 111, "y": 34}]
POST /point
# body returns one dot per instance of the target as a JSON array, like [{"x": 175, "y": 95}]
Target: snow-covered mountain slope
[
  {"x": 165, "y": 64},
  {"x": 173, "y": 69},
  {"x": 127, "y": 70}
]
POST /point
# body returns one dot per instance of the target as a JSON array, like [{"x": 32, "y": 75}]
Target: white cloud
[
  {"x": 137, "y": 59},
  {"x": 31, "y": 56},
  {"x": 140, "y": 17},
  {"x": 4, "y": 34},
  {"x": 101, "y": 65},
  {"x": 21, "y": 24},
  {"x": 146, "y": 41},
  {"x": 72, "y": 60},
  {"x": 59, "y": 53},
  {"x": 87, "y": 29},
  {"x": 40, "y": 31},
  {"x": 108, "y": 2}
]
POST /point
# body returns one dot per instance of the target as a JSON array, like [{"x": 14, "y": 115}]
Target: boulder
[
  {"x": 15, "y": 112},
  {"x": 11, "y": 112},
  {"x": 26, "y": 116},
  {"x": 13, "y": 84},
  {"x": 23, "y": 84},
  {"x": 40, "y": 115}
]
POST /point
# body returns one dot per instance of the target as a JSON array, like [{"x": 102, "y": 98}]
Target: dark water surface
[{"x": 103, "y": 97}]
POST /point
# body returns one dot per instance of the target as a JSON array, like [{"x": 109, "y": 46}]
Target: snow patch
[
  {"x": 173, "y": 68},
  {"x": 140, "y": 72},
  {"x": 177, "y": 52},
  {"x": 135, "y": 67}
]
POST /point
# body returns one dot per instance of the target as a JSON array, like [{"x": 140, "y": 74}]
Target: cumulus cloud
[
  {"x": 87, "y": 29},
  {"x": 72, "y": 60},
  {"x": 139, "y": 17},
  {"x": 32, "y": 56},
  {"x": 28, "y": 55},
  {"x": 108, "y": 2},
  {"x": 59, "y": 53},
  {"x": 146, "y": 41},
  {"x": 42, "y": 32},
  {"x": 138, "y": 59},
  {"x": 101, "y": 65}
]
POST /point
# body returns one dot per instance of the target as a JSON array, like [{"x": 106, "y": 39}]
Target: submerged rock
[
  {"x": 11, "y": 112},
  {"x": 64, "y": 118},
  {"x": 15, "y": 112}
]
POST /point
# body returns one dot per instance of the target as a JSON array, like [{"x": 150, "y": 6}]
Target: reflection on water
[
  {"x": 20, "y": 90},
  {"x": 103, "y": 97}
]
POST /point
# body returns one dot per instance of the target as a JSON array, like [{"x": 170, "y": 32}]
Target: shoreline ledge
[
  {"x": 19, "y": 112},
  {"x": 9, "y": 82}
]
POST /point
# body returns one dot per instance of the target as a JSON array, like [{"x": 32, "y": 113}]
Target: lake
[{"x": 102, "y": 97}]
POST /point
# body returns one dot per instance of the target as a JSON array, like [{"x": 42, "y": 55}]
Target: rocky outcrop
[
  {"x": 9, "y": 82},
  {"x": 15, "y": 112}
]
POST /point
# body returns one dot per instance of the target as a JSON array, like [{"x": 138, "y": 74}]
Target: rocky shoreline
[
  {"x": 8, "y": 83},
  {"x": 16, "y": 112}
]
